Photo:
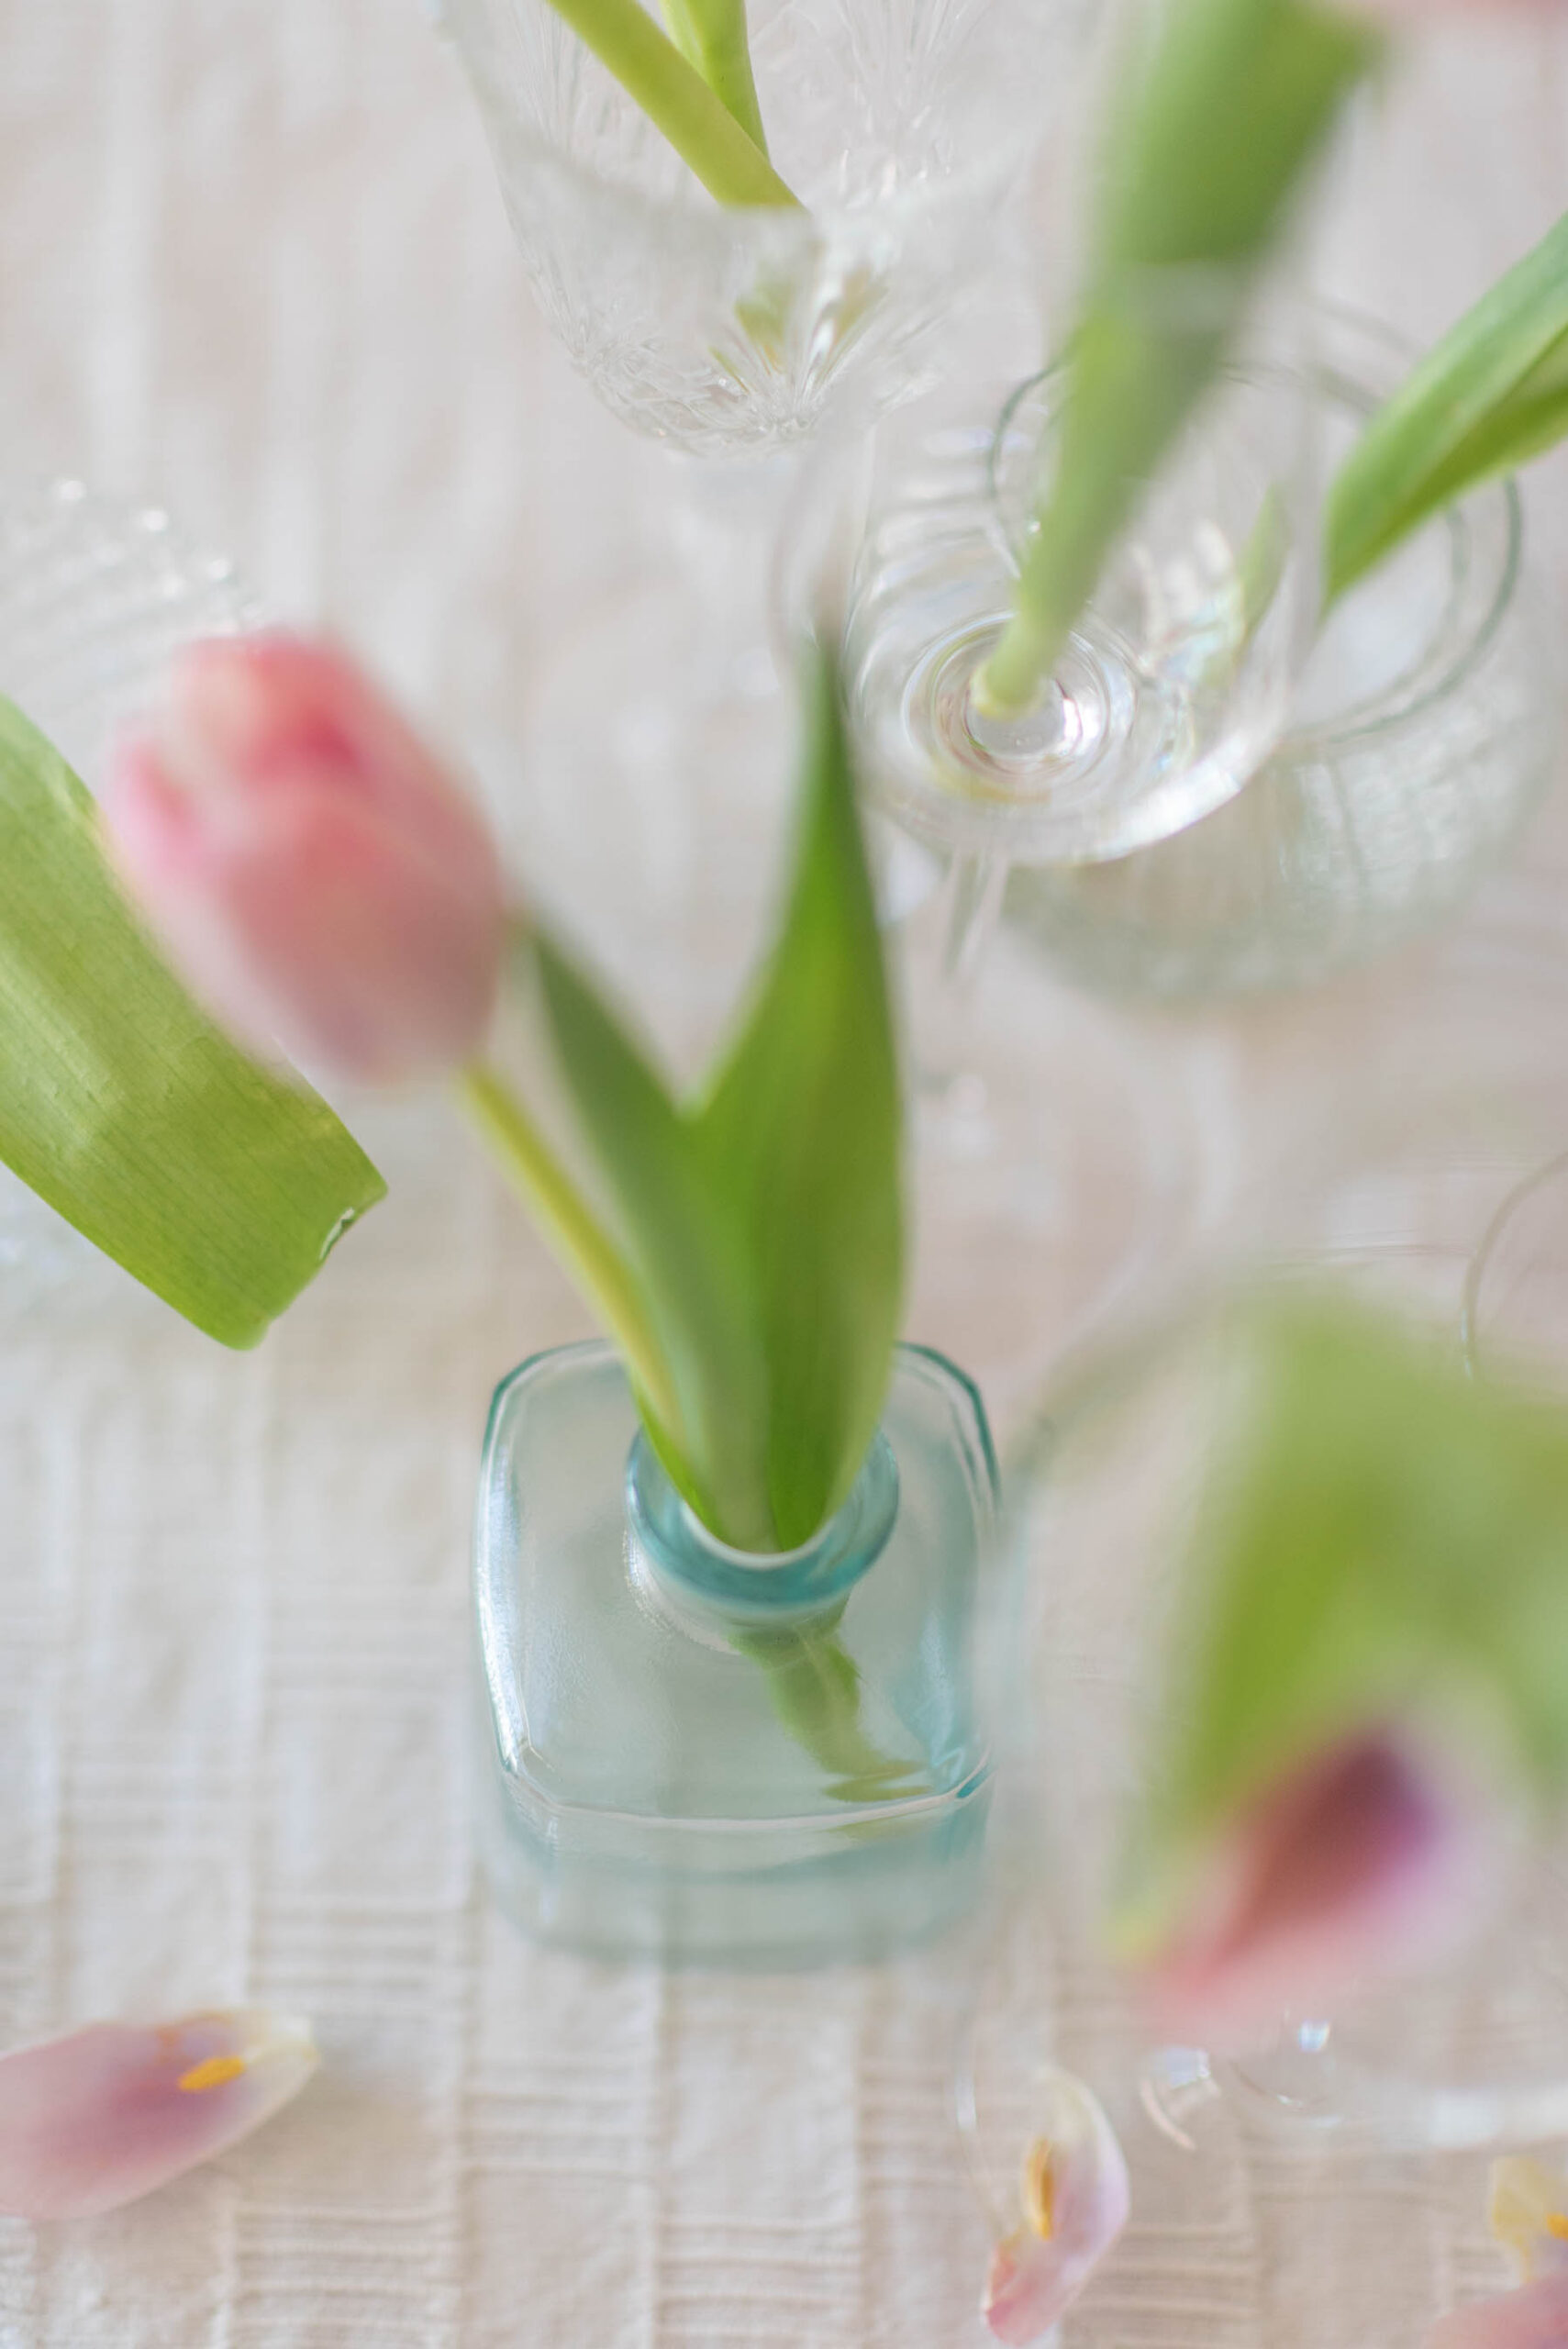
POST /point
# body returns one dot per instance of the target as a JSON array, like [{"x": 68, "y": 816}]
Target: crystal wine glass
[
  {"x": 1420, "y": 738},
  {"x": 1172, "y": 686},
  {"x": 900, "y": 127}
]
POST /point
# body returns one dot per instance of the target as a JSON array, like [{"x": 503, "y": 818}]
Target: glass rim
[{"x": 1436, "y": 672}]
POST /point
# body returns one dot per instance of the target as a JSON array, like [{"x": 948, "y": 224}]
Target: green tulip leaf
[
  {"x": 1491, "y": 395},
  {"x": 1384, "y": 1539},
  {"x": 801, "y": 1131},
  {"x": 1204, "y": 153},
  {"x": 706, "y": 1407},
  {"x": 761, "y": 1219},
  {"x": 220, "y": 1187}
]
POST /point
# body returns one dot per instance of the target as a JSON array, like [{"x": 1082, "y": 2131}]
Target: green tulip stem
[
  {"x": 699, "y": 125},
  {"x": 568, "y": 1224}
]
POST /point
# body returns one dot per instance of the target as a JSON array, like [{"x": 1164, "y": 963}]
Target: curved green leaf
[
  {"x": 1203, "y": 156},
  {"x": 221, "y": 1186},
  {"x": 763, "y": 1220},
  {"x": 1491, "y": 395}
]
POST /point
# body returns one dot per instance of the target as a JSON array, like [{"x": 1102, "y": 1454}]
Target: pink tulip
[
  {"x": 1353, "y": 1864},
  {"x": 1534, "y": 2317},
  {"x": 111, "y": 2113},
  {"x": 313, "y": 871},
  {"x": 1075, "y": 2196}
]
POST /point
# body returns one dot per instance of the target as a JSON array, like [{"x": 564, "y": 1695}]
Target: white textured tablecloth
[{"x": 253, "y": 265}]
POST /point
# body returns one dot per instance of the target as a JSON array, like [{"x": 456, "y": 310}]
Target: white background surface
[{"x": 252, "y": 266}]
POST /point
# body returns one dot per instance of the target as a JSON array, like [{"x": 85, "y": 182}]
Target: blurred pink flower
[
  {"x": 1073, "y": 2189},
  {"x": 1354, "y": 1863},
  {"x": 109, "y": 2113},
  {"x": 311, "y": 868},
  {"x": 1534, "y": 2318}
]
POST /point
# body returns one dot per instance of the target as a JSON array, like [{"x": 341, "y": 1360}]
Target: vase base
[{"x": 656, "y": 1788}]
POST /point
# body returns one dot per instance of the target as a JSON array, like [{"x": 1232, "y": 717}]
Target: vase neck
[{"x": 760, "y": 1585}]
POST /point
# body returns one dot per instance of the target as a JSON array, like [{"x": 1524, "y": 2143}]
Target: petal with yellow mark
[
  {"x": 1074, "y": 2196},
  {"x": 112, "y": 2112}
]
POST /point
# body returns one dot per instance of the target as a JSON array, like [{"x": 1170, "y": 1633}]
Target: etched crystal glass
[
  {"x": 900, "y": 125},
  {"x": 95, "y": 596},
  {"x": 652, "y": 1784},
  {"x": 1422, "y": 735},
  {"x": 1173, "y": 683}
]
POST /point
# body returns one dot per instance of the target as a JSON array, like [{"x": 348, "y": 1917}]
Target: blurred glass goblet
[
  {"x": 1515, "y": 1296},
  {"x": 1464, "y": 2043}
]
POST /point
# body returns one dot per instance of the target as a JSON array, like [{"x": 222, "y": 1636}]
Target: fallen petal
[
  {"x": 1534, "y": 2317},
  {"x": 1075, "y": 2196},
  {"x": 104, "y": 2115},
  {"x": 1527, "y": 2212}
]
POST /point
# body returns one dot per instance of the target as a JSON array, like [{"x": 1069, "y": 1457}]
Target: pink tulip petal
[
  {"x": 1534, "y": 2317},
  {"x": 1075, "y": 2198},
  {"x": 104, "y": 2115},
  {"x": 309, "y": 867},
  {"x": 1351, "y": 1866}
]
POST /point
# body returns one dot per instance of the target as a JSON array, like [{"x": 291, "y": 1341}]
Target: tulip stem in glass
[
  {"x": 702, "y": 127},
  {"x": 711, "y": 35},
  {"x": 1205, "y": 155}
]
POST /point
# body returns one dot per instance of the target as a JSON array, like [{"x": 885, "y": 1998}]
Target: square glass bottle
[{"x": 675, "y": 1764}]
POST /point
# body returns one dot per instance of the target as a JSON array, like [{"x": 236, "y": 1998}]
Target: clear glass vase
[
  {"x": 697, "y": 1754},
  {"x": 1422, "y": 735},
  {"x": 899, "y": 127}
]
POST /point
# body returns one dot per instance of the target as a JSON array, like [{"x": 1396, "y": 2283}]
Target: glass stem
[
  {"x": 676, "y": 99},
  {"x": 971, "y": 907}
]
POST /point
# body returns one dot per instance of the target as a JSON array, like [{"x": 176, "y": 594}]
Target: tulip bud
[
  {"x": 311, "y": 868},
  {"x": 1353, "y": 1863},
  {"x": 1075, "y": 2196},
  {"x": 104, "y": 2115}
]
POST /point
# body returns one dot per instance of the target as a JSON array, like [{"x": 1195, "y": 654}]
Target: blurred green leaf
[
  {"x": 1385, "y": 1538},
  {"x": 1490, "y": 395},
  {"x": 762, "y": 1220},
  {"x": 712, "y": 36},
  {"x": 1206, "y": 145},
  {"x": 219, "y": 1186}
]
